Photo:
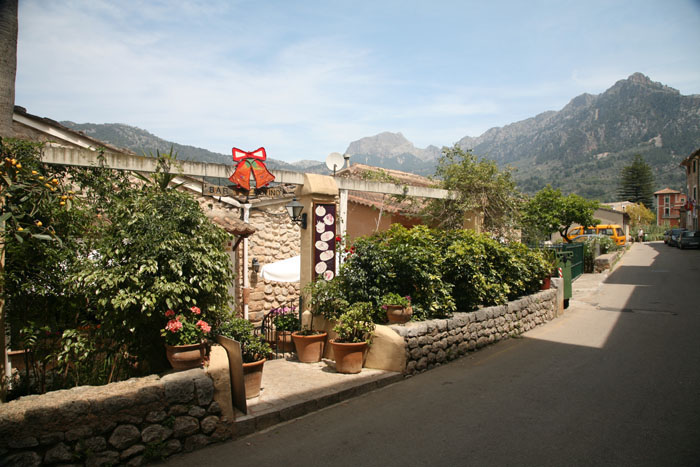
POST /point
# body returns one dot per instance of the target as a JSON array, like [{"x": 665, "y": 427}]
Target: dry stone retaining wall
[
  {"x": 431, "y": 343},
  {"x": 125, "y": 423}
]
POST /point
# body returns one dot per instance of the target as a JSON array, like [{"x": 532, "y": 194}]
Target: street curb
[{"x": 248, "y": 424}]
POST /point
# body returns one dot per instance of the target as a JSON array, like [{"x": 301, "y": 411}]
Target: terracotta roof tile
[{"x": 666, "y": 191}]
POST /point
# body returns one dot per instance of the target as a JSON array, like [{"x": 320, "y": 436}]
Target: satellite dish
[{"x": 335, "y": 161}]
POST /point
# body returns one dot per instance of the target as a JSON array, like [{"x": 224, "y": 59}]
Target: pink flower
[
  {"x": 169, "y": 314},
  {"x": 174, "y": 325},
  {"x": 196, "y": 310},
  {"x": 204, "y": 326}
]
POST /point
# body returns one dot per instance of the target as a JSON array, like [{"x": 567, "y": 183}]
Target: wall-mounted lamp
[
  {"x": 256, "y": 265},
  {"x": 294, "y": 209}
]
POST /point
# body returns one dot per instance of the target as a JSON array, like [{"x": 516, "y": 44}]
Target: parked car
[
  {"x": 675, "y": 236},
  {"x": 667, "y": 236},
  {"x": 689, "y": 239},
  {"x": 613, "y": 231}
]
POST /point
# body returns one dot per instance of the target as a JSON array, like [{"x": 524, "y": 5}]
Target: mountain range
[{"x": 580, "y": 148}]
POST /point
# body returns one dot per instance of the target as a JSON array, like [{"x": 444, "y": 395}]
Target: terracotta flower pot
[
  {"x": 252, "y": 378},
  {"x": 546, "y": 283},
  {"x": 309, "y": 348},
  {"x": 185, "y": 357},
  {"x": 284, "y": 341},
  {"x": 349, "y": 357},
  {"x": 397, "y": 314}
]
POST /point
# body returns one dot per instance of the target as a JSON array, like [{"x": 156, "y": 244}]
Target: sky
[{"x": 306, "y": 78}]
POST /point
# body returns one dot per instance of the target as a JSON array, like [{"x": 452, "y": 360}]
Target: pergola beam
[{"x": 55, "y": 154}]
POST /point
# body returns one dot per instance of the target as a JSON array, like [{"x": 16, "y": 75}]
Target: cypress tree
[{"x": 637, "y": 183}]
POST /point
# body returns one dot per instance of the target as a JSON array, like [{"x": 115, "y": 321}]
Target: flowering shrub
[
  {"x": 185, "y": 328},
  {"x": 285, "y": 318}
]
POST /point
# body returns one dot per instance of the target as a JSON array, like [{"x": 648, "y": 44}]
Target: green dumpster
[{"x": 565, "y": 263}]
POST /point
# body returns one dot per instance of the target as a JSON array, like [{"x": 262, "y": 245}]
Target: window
[
  {"x": 667, "y": 199},
  {"x": 667, "y": 212},
  {"x": 695, "y": 162}
]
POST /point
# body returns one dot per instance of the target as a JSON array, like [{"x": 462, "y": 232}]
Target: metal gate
[{"x": 577, "y": 259}]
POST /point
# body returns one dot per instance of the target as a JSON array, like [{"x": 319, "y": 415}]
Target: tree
[
  {"x": 637, "y": 183},
  {"x": 550, "y": 211},
  {"x": 479, "y": 185},
  {"x": 640, "y": 215},
  {"x": 155, "y": 251}
]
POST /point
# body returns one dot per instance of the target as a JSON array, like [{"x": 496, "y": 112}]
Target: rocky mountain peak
[{"x": 391, "y": 145}]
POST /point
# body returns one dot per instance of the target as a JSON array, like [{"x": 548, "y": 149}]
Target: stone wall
[
  {"x": 127, "y": 423},
  {"x": 277, "y": 238},
  {"x": 431, "y": 343},
  {"x": 607, "y": 261}
]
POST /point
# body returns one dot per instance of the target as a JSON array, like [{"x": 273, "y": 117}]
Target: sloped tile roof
[{"x": 666, "y": 191}]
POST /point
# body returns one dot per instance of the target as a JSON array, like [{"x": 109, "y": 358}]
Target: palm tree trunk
[
  {"x": 8, "y": 64},
  {"x": 8, "y": 70}
]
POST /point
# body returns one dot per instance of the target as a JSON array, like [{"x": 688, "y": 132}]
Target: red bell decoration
[{"x": 250, "y": 162}]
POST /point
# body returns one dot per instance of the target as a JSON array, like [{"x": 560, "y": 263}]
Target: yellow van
[{"x": 613, "y": 231}]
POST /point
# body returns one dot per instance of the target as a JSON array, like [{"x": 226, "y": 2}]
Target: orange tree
[
  {"x": 40, "y": 231},
  {"x": 550, "y": 211},
  {"x": 88, "y": 278}
]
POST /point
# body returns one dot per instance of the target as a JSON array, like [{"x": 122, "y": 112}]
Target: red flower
[
  {"x": 196, "y": 310},
  {"x": 337, "y": 238},
  {"x": 173, "y": 325},
  {"x": 169, "y": 314},
  {"x": 204, "y": 326}
]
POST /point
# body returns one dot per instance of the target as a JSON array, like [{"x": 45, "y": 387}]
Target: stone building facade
[{"x": 276, "y": 238}]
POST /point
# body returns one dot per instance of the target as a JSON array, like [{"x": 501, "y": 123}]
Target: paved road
[{"x": 616, "y": 381}]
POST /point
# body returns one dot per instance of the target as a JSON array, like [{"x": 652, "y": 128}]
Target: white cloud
[{"x": 220, "y": 73}]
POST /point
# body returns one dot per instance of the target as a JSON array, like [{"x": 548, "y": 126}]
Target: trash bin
[{"x": 565, "y": 262}]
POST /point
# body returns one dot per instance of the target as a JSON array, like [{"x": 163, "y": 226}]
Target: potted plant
[
  {"x": 354, "y": 329},
  {"x": 184, "y": 336},
  {"x": 326, "y": 299},
  {"x": 552, "y": 262},
  {"x": 254, "y": 352},
  {"x": 286, "y": 321},
  {"x": 398, "y": 309}
]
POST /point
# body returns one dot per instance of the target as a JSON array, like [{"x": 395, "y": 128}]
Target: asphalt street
[{"x": 615, "y": 381}]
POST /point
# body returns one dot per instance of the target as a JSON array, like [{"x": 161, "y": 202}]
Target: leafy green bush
[
  {"x": 440, "y": 270},
  {"x": 355, "y": 325},
  {"x": 403, "y": 261},
  {"x": 286, "y": 319},
  {"x": 486, "y": 272},
  {"x": 395, "y": 299},
  {"x": 156, "y": 251}
]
